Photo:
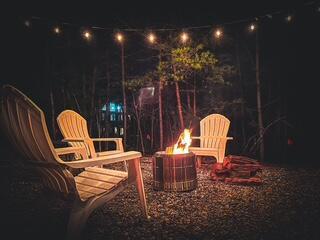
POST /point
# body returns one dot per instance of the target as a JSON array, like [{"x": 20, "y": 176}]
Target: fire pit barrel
[{"x": 174, "y": 172}]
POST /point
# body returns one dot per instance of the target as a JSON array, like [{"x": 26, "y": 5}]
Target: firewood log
[
  {"x": 246, "y": 181},
  {"x": 240, "y": 174}
]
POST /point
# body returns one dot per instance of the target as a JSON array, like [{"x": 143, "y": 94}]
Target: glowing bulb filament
[
  {"x": 87, "y": 35},
  {"x": 151, "y": 38},
  {"x": 289, "y": 18},
  {"x": 218, "y": 33},
  {"x": 119, "y": 37},
  {"x": 184, "y": 37},
  {"x": 56, "y": 30}
]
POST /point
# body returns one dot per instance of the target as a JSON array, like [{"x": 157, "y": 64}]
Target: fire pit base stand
[{"x": 174, "y": 172}]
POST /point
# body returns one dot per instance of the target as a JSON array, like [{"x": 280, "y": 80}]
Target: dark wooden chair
[{"x": 25, "y": 125}]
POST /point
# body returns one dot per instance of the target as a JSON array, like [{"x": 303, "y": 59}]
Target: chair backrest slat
[
  {"x": 213, "y": 125},
  {"x": 73, "y": 125},
  {"x": 13, "y": 125},
  {"x": 26, "y": 127}
]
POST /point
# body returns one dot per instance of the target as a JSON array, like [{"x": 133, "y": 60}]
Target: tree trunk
[
  {"x": 179, "y": 106},
  {"x": 160, "y": 108},
  {"x": 243, "y": 115},
  {"x": 138, "y": 116},
  {"x": 84, "y": 95},
  {"x": 124, "y": 98},
  {"x": 53, "y": 120},
  {"x": 152, "y": 130},
  {"x": 50, "y": 80},
  {"x": 260, "y": 117},
  {"x": 194, "y": 97},
  {"x": 107, "y": 97},
  {"x": 189, "y": 102},
  {"x": 98, "y": 122},
  {"x": 93, "y": 93},
  {"x": 76, "y": 101},
  {"x": 160, "y": 115},
  {"x": 63, "y": 91}
]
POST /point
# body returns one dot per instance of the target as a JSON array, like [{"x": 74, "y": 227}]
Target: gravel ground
[{"x": 285, "y": 206}]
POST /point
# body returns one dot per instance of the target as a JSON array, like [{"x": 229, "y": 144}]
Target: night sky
[{"x": 289, "y": 52}]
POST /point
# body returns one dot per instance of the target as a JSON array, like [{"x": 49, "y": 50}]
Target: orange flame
[{"x": 182, "y": 145}]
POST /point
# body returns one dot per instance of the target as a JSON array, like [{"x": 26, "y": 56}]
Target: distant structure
[{"x": 112, "y": 116}]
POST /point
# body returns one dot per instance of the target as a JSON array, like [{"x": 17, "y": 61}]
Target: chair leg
[
  {"x": 140, "y": 187},
  {"x": 198, "y": 162},
  {"x": 125, "y": 166},
  {"x": 77, "y": 220},
  {"x": 221, "y": 154}
]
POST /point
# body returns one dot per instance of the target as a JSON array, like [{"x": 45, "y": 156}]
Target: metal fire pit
[{"x": 174, "y": 172}]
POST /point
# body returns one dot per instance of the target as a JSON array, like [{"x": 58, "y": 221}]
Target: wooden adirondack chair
[
  {"x": 75, "y": 131},
  {"x": 213, "y": 137},
  {"x": 94, "y": 186}
]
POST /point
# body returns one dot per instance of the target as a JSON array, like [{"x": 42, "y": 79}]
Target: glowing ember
[{"x": 182, "y": 145}]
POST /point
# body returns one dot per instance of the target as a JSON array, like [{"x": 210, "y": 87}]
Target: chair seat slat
[
  {"x": 90, "y": 189},
  {"x": 85, "y": 195},
  {"x": 107, "y": 171},
  {"x": 94, "y": 183},
  {"x": 101, "y": 177}
]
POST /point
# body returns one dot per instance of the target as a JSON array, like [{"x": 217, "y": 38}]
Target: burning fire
[{"x": 182, "y": 145}]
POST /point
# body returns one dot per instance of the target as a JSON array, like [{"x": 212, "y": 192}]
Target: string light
[
  {"x": 56, "y": 30},
  {"x": 252, "y": 27},
  {"x": 184, "y": 37},
  {"x": 27, "y": 23},
  {"x": 119, "y": 37},
  {"x": 87, "y": 35},
  {"x": 218, "y": 33},
  {"x": 151, "y": 38},
  {"x": 289, "y": 18}
]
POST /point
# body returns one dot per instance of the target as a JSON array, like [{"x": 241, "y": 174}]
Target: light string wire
[{"x": 288, "y": 14}]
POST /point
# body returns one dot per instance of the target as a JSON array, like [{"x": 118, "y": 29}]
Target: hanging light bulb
[
  {"x": 119, "y": 37},
  {"x": 57, "y": 30},
  {"x": 27, "y": 23},
  {"x": 87, "y": 35},
  {"x": 184, "y": 37},
  {"x": 252, "y": 27},
  {"x": 218, "y": 33},
  {"x": 289, "y": 18},
  {"x": 151, "y": 38}
]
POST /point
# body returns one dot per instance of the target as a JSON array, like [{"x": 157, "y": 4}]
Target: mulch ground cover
[{"x": 285, "y": 206}]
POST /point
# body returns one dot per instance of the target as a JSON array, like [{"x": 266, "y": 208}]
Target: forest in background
[
  {"x": 213, "y": 76},
  {"x": 205, "y": 75}
]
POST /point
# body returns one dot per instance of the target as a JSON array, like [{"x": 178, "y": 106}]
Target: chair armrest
[
  {"x": 106, "y": 139},
  {"x": 195, "y": 137},
  {"x": 104, "y": 160},
  {"x": 68, "y": 150},
  {"x": 118, "y": 141},
  {"x": 212, "y": 137}
]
